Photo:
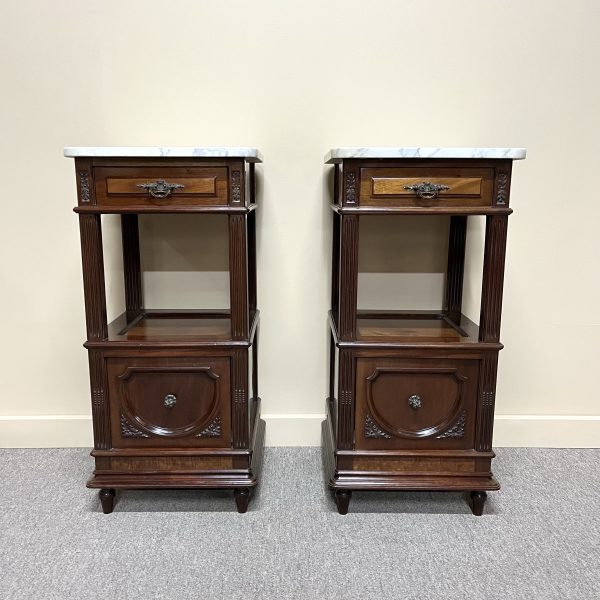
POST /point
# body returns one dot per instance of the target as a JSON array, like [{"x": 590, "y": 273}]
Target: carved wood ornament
[
  {"x": 129, "y": 431},
  {"x": 372, "y": 430},
  {"x": 502, "y": 188},
  {"x": 236, "y": 187},
  {"x": 351, "y": 187},
  {"x": 457, "y": 431},
  {"x": 84, "y": 186},
  {"x": 213, "y": 430}
]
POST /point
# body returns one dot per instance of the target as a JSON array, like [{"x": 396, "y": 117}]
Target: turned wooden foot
[
  {"x": 107, "y": 499},
  {"x": 477, "y": 501},
  {"x": 342, "y": 499},
  {"x": 242, "y": 497}
]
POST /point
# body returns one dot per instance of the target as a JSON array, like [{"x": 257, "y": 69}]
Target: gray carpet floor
[{"x": 539, "y": 537}]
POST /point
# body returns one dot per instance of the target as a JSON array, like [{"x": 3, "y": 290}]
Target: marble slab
[
  {"x": 336, "y": 155},
  {"x": 250, "y": 154}
]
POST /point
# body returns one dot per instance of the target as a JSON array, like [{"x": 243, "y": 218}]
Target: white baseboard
[
  {"x": 46, "y": 431},
  {"x": 293, "y": 430},
  {"x": 545, "y": 431}
]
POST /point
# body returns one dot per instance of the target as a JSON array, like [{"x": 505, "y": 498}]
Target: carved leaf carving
[
  {"x": 128, "y": 430},
  {"x": 351, "y": 187},
  {"x": 373, "y": 431},
  {"x": 502, "y": 188},
  {"x": 457, "y": 430},
  {"x": 236, "y": 191},
  {"x": 213, "y": 429},
  {"x": 84, "y": 186}
]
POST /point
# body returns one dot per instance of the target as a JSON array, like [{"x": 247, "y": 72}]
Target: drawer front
[
  {"x": 426, "y": 404},
  {"x": 157, "y": 402},
  {"x": 161, "y": 186},
  {"x": 426, "y": 187}
]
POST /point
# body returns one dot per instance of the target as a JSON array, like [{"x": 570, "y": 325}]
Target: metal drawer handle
[
  {"x": 170, "y": 400},
  {"x": 160, "y": 188},
  {"x": 414, "y": 401},
  {"x": 426, "y": 189}
]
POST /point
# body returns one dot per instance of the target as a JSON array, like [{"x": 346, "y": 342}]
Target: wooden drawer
[
  {"x": 162, "y": 186},
  {"x": 426, "y": 404},
  {"x": 426, "y": 187},
  {"x": 173, "y": 402}
]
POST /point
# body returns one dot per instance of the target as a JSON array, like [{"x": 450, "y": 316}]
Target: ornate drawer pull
[
  {"x": 414, "y": 401},
  {"x": 170, "y": 400},
  {"x": 160, "y": 188},
  {"x": 426, "y": 189}
]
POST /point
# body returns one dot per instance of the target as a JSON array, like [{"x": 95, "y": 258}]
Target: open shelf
[
  {"x": 413, "y": 326},
  {"x": 173, "y": 326}
]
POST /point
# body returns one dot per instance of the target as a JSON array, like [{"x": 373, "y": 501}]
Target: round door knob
[
  {"x": 170, "y": 400},
  {"x": 414, "y": 401}
]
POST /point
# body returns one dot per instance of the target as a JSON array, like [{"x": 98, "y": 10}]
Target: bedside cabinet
[
  {"x": 174, "y": 392},
  {"x": 412, "y": 392}
]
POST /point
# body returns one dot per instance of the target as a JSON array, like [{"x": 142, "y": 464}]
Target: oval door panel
[
  {"x": 170, "y": 401},
  {"x": 415, "y": 403}
]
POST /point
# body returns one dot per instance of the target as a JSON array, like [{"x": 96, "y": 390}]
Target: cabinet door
[
  {"x": 173, "y": 402},
  {"x": 420, "y": 404}
]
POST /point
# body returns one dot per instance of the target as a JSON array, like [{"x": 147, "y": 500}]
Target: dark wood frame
[
  {"x": 116, "y": 466},
  {"x": 349, "y": 468}
]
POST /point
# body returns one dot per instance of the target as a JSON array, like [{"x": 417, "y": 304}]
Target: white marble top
[
  {"x": 250, "y": 154},
  {"x": 336, "y": 155}
]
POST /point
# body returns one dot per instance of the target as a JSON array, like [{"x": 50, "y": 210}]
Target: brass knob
[
  {"x": 415, "y": 401},
  {"x": 426, "y": 189},
  {"x": 160, "y": 188},
  {"x": 170, "y": 400}
]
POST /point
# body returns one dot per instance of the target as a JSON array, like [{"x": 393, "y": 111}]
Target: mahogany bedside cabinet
[
  {"x": 174, "y": 392},
  {"x": 411, "y": 398}
]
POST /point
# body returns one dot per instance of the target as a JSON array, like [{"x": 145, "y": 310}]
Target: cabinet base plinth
[
  {"x": 241, "y": 475},
  {"x": 343, "y": 477}
]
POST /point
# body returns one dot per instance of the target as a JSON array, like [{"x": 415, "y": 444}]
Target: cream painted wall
[{"x": 295, "y": 79}]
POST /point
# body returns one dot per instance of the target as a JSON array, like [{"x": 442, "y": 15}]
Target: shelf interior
[
  {"x": 173, "y": 326},
  {"x": 413, "y": 326}
]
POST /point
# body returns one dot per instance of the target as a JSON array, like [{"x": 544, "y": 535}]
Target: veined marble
[
  {"x": 250, "y": 154},
  {"x": 336, "y": 155}
]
